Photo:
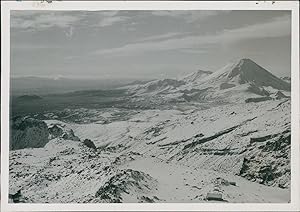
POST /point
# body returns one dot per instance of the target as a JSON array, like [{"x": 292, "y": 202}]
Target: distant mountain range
[
  {"x": 236, "y": 81},
  {"x": 241, "y": 73}
]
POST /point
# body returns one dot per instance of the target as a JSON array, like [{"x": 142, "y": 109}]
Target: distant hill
[
  {"x": 44, "y": 85},
  {"x": 29, "y": 97}
]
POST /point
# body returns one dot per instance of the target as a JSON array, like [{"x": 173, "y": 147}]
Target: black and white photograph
[{"x": 150, "y": 106}]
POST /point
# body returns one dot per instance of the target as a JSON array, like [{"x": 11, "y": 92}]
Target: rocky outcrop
[
  {"x": 55, "y": 131},
  {"x": 267, "y": 160},
  {"x": 89, "y": 144},
  {"x": 258, "y": 99},
  {"x": 60, "y": 131},
  {"x": 28, "y": 133},
  {"x": 70, "y": 135},
  {"x": 226, "y": 86},
  {"x": 280, "y": 95},
  {"x": 17, "y": 197},
  {"x": 124, "y": 182},
  {"x": 257, "y": 90}
]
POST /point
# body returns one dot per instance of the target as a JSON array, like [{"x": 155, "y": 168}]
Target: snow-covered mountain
[
  {"x": 243, "y": 80},
  {"x": 242, "y": 72},
  {"x": 156, "y": 86},
  {"x": 195, "y": 76},
  {"x": 222, "y": 136}
]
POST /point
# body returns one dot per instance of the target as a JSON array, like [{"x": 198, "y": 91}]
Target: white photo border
[{"x": 292, "y": 6}]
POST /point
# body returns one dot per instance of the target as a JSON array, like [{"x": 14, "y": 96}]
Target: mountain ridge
[
  {"x": 236, "y": 81},
  {"x": 195, "y": 76}
]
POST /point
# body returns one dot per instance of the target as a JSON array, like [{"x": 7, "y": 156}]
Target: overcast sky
[{"x": 146, "y": 44}]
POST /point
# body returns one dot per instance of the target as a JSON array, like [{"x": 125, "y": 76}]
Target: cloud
[
  {"x": 278, "y": 27},
  {"x": 194, "y": 51},
  {"x": 32, "y": 46},
  {"x": 108, "y": 13},
  {"x": 108, "y": 21},
  {"x": 42, "y": 20},
  {"x": 35, "y": 20},
  {"x": 153, "y": 46},
  {"x": 160, "y": 37},
  {"x": 107, "y": 18},
  {"x": 189, "y": 16}
]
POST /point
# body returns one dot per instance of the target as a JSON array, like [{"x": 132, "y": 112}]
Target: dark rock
[
  {"x": 146, "y": 199},
  {"x": 245, "y": 166},
  {"x": 214, "y": 196},
  {"x": 280, "y": 95},
  {"x": 199, "y": 135},
  {"x": 226, "y": 86},
  {"x": 16, "y": 197},
  {"x": 29, "y": 97},
  {"x": 274, "y": 151},
  {"x": 258, "y": 99},
  {"x": 89, "y": 144},
  {"x": 232, "y": 183},
  {"x": 28, "y": 133},
  {"x": 258, "y": 90},
  {"x": 124, "y": 182}
]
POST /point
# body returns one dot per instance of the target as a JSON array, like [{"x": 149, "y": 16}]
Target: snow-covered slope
[
  {"x": 203, "y": 150},
  {"x": 156, "y": 87},
  {"x": 195, "y": 76}
]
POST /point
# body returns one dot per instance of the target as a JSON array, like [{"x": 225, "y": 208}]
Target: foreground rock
[
  {"x": 58, "y": 131},
  {"x": 89, "y": 144},
  {"x": 28, "y": 133}
]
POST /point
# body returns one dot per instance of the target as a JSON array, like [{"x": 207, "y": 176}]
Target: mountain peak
[
  {"x": 249, "y": 71},
  {"x": 245, "y": 71},
  {"x": 244, "y": 65},
  {"x": 246, "y": 60}
]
